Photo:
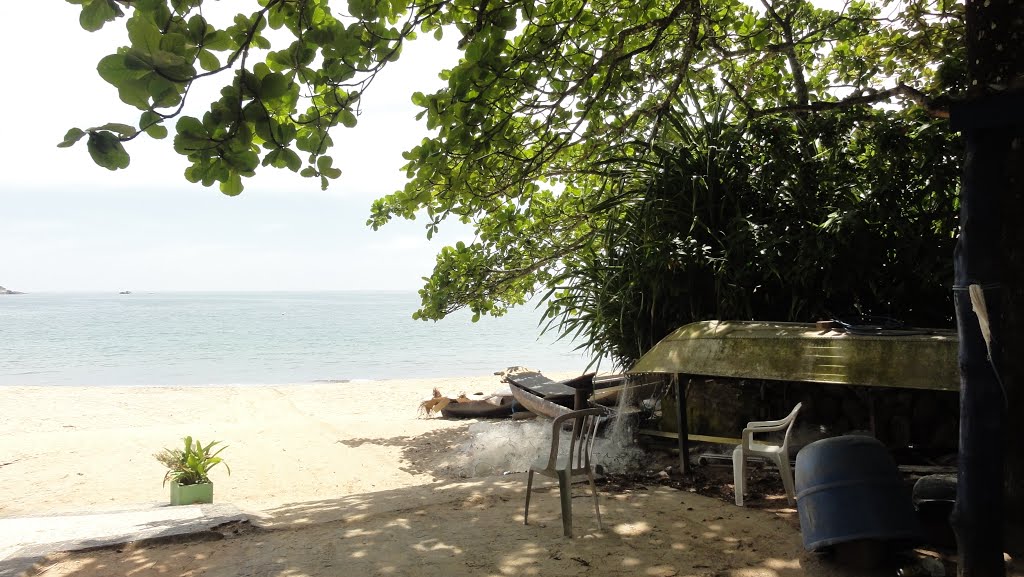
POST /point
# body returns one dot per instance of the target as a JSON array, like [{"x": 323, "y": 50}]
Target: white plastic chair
[
  {"x": 778, "y": 454},
  {"x": 565, "y": 466}
]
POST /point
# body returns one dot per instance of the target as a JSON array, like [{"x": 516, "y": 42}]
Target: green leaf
[
  {"x": 97, "y": 13},
  {"x": 208, "y": 60},
  {"x": 169, "y": 61},
  {"x": 189, "y": 126},
  {"x": 143, "y": 34},
  {"x": 233, "y": 185},
  {"x": 157, "y": 131},
  {"x": 119, "y": 68},
  {"x": 149, "y": 117},
  {"x": 274, "y": 85},
  {"x": 273, "y": 158},
  {"x": 162, "y": 91},
  {"x": 72, "y": 136},
  {"x": 218, "y": 40},
  {"x": 197, "y": 27},
  {"x": 347, "y": 118},
  {"x": 276, "y": 18},
  {"x": 106, "y": 150},
  {"x": 363, "y": 9},
  {"x": 122, "y": 129},
  {"x": 292, "y": 160},
  {"x": 324, "y": 163}
]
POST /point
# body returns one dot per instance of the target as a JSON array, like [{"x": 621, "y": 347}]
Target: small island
[
  {"x": 125, "y": 293},
  {"x": 4, "y": 291}
]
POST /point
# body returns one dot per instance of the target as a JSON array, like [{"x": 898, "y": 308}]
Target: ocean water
[{"x": 258, "y": 338}]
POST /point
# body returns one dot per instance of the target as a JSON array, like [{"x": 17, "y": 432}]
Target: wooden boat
[
  {"x": 539, "y": 405},
  {"x": 479, "y": 409},
  {"x": 608, "y": 389},
  {"x": 546, "y": 397}
]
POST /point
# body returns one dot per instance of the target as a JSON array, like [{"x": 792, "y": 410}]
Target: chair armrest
[
  {"x": 769, "y": 425},
  {"x": 755, "y": 427},
  {"x": 749, "y": 432}
]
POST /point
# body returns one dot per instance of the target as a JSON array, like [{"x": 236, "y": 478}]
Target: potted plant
[{"x": 188, "y": 471}]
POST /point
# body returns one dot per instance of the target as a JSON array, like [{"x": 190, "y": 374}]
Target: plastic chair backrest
[
  {"x": 786, "y": 423},
  {"x": 581, "y": 443},
  {"x": 791, "y": 420}
]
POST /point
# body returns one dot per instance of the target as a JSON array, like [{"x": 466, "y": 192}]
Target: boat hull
[
  {"x": 639, "y": 388},
  {"x": 478, "y": 409},
  {"x": 922, "y": 359},
  {"x": 538, "y": 406}
]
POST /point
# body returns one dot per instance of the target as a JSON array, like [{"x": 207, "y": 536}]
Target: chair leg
[
  {"x": 597, "y": 503},
  {"x": 787, "y": 478},
  {"x": 565, "y": 494},
  {"x": 739, "y": 473},
  {"x": 529, "y": 486}
]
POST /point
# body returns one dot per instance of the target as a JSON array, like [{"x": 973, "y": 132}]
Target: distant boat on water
[{"x": 125, "y": 293}]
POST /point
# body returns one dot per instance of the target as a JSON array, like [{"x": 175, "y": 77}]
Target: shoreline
[{"x": 557, "y": 372}]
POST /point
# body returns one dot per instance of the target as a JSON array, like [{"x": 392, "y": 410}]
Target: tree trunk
[
  {"x": 977, "y": 516},
  {"x": 1013, "y": 347},
  {"x": 988, "y": 256}
]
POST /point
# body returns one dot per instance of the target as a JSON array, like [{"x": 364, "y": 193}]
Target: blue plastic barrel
[{"x": 848, "y": 489}]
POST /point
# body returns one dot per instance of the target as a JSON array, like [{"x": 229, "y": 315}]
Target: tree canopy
[{"x": 555, "y": 108}]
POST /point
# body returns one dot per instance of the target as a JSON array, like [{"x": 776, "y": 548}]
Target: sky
[{"x": 68, "y": 225}]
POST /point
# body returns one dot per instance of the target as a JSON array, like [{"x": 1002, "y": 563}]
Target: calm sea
[{"x": 257, "y": 338}]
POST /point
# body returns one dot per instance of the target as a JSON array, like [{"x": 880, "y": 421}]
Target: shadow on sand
[{"x": 475, "y": 527}]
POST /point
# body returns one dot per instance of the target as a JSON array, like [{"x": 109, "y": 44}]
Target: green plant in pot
[{"x": 188, "y": 471}]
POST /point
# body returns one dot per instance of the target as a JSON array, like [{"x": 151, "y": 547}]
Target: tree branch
[{"x": 934, "y": 107}]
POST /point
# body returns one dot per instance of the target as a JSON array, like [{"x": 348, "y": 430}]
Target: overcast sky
[{"x": 69, "y": 225}]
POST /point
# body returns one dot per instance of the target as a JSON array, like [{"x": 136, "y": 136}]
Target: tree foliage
[
  {"x": 718, "y": 229},
  {"x": 554, "y": 108}
]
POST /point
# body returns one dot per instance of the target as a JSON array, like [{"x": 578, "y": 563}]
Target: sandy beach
[
  {"x": 285, "y": 444},
  {"x": 350, "y": 479}
]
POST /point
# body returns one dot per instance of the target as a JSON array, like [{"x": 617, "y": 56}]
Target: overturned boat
[{"x": 803, "y": 352}]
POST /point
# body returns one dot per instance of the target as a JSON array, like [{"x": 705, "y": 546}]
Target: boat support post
[{"x": 681, "y": 425}]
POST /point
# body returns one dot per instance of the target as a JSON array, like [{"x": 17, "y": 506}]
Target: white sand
[
  {"x": 348, "y": 479},
  {"x": 72, "y": 449}
]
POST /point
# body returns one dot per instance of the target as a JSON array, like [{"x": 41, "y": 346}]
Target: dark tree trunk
[
  {"x": 1013, "y": 352},
  {"x": 977, "y": 516},
  {"x": 1013, "y": 349},
  {"x": 988, "y": 256}
]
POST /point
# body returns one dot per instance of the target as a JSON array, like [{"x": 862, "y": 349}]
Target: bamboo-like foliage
[{"x": 779, "y": 219}]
